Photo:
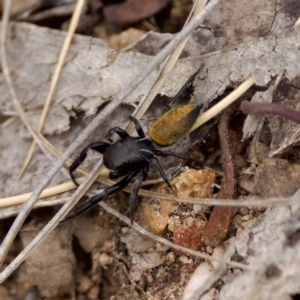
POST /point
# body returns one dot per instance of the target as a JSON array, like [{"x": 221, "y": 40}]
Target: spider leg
[
  {"x": 138, "y": 126},
  {"x": 157, "y": 165},
  {"x": 119, "y": 131},
  {"x": 165, "y": 153},
  {"x": 97, "y": 146},
  {"x": 134, "y": 197},
  {"x": 116, "y": 174},
  {"x": 101, "y": 196}
]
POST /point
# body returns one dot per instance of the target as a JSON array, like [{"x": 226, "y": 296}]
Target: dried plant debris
[
  {"x": 132, "y": 11},
  {"x": 104, "y": 72},
  {"x": 270, "y": 245},
  {"x": 113, "y": 260},
  {"x": 220, "y": 218},
  {"x": 227, "y": 27},
  {"x": 50, "y": 267},
  {"x": 274, "y": 177},
  {"x": 284, "y": 131}
]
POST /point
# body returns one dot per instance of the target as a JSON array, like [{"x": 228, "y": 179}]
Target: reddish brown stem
[
  {"x": 253, "y": 108},
  {"x": 219, "y": 221}
]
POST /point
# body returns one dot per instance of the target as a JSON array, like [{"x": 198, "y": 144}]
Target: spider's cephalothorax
[{"x": 129, "y": 157}]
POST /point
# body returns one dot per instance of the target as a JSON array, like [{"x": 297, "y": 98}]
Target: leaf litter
[{"x": 272, "y": 233}]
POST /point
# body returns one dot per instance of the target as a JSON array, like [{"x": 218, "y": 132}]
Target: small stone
[
  {"x": 246, "y": 218},
  {"x": 189, "y": 234},
  {"x": 236, "y": 221},
  {"x": 105, "y": 260},
  {"x": 190, "y": 261},
  {"x": 171, "y": 225},
  {"x": 171, "y": 257},
  {"x": 197, "y": 207},
  {"x": 209, "y": 249},
  {"x": 155, "y": 213},
  {"x": 107, "y": 246},
  {"x": 218, "y": 253},
  {"x": 147, "y": 261},
  {"x": 84, "y": 284},
  {"x": 162, "y": 247},
  {"x": 244, "y": 224},
  {"x": 136, "y": 242},
  {"x": 149, "y": 278},
  {"x": 195, "y": 183},
  {"x": 93, "y": 293},
  {"x": 125, "y": 229},
  {"x": 183, "y": 259},
  {"x": 200, "y": 275},
  {"x": 135, "y": 273},
  {"x": 243, "y": 211}
]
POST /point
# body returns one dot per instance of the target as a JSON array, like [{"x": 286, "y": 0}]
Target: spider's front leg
[
  {"x": 138, "y": 126},
  {"x": 97, "y": 146},
  {"x": 134, "y": 196},
  {"x": 119, "y": 131},
  {"x": 101, "y": 196}
]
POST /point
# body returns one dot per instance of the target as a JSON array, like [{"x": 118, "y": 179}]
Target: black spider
[{"x": 129, "y": 157}]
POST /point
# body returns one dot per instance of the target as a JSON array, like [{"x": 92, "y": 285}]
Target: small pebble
[
  {"x": 125, "y": 229},
  {"x": 149, "y": 278},
  {"x": 105, "y": 260},
  {"x": 244, "y": 224},
  {"x": 197, "y": 279},
  {"x": 171, "y": 257},
  {"x": 209, "y": 249},
  {"x": 197, "y": 207},
  {"x": 135, "y": 273},
  {"x": 243, "y": 211},
  {"x": 246, "y": 218},
  {"x": 183, "y": 259},
  {"x": 93, "y": 293},
  {"x": 171, "y": 225},
  {"x": 84, "y": 284},
  {"x": 218, "y": 253},
  {"x": 189, "y": 233},
  {"x": 162, "y": 247}
]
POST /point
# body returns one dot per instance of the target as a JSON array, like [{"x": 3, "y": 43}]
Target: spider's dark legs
[
  {"x": 116, "y": 174},
  {"x": 97, "y": 146},
  {"x": 119, "y": 131},
  {"x": 157, "y": 165},
  {"x": 138, "y": 126},
  {"x": 103, "y": 195},
  {"x": 166, "y": 153},
  {"x": 137, "y": 185}
]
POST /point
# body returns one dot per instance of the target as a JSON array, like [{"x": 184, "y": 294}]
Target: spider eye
[{"x": 174, "y": 124}]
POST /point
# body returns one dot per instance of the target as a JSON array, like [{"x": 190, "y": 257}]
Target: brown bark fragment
[{"x": 219, "y": 221}]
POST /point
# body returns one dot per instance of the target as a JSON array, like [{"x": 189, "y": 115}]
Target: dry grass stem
[
  {"x": 240, "y": 90},
  {"x": 67, "y": 186},
  {"x": 61, "y": 59}
]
